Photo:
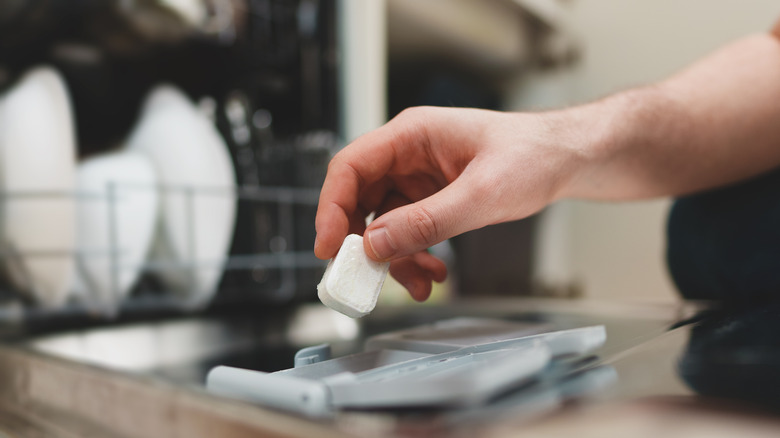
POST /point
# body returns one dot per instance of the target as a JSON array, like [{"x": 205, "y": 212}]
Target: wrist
[
  {"x": 588, "y": 136},
  {"x": 610, "y": 136}
]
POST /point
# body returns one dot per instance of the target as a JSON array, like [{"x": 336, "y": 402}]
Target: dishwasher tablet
[{"x": 352, "y": 281}]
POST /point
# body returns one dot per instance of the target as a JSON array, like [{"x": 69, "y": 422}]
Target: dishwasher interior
[{"x": 182, "y": 171}]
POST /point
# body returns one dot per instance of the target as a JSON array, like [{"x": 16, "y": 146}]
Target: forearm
[{"x": 714, "y": 123}]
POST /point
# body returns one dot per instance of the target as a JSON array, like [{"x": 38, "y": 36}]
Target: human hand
[{"x": 433, "y": 173}]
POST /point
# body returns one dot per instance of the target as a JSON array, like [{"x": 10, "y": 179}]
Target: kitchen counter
[{"x": 655, "y": 375}]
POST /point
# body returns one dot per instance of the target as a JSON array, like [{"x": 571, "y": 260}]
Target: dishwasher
[{"x": 161, "y": 169}]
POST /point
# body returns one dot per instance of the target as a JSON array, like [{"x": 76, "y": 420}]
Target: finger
[
  {"x": 332, "y": 225},
  {"x": 372, "y": 196},
  {"x": 418, "y": 186},
  {"x": 367, "y": 160},
  {"x": 415, "y": 279},
  {"x": 459, "y": 207},
  {"x": 357, "y": 221},
  {"x": 355, "y": 224},
  {"x": 436, "y": 268},
  {"x": 392, "y": 201}
]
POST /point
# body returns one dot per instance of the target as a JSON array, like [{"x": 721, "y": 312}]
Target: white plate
[
  {"x": 37, "y": 155},
  {"x": 117, "y": 212},
  {"x": 198, "y": 204}
]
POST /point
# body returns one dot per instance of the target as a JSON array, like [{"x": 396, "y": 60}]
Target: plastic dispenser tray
[{"x": 458, "y": 362}]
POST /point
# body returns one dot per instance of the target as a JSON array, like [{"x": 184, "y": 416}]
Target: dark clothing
[{"x": 725, "y": 244}]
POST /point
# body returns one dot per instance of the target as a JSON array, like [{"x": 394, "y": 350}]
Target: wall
[{"x": 616, "y": 251}]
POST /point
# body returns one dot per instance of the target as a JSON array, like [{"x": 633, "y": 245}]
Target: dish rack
[{"x": 282, "y": 272}]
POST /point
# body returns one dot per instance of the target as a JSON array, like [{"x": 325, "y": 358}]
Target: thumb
[{"x": 414, "y": 227}]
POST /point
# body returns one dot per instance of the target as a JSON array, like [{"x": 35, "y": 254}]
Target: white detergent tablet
[{"x": 352, "y": 281}]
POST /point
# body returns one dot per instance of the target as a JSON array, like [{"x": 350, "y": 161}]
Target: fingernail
[
  {"x": 316, "y": 240},
  {"x": 381, "y": 243}
]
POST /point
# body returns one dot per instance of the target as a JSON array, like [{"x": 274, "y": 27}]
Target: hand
[{"x": 433, "y": 173}]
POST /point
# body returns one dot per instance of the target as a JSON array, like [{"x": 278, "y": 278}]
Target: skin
[{"x": 433, "y": 173}]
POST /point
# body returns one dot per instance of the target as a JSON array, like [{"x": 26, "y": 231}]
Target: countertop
[{"x": 687, "y": 370}]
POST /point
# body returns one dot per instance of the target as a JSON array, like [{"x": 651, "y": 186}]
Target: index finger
[{"x": 367, "y": 160}]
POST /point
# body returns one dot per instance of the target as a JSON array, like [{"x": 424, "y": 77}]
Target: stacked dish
[
  {"x": 165, "y": 202},
  {"x": 37, "y": 176},
  {"x": 198, "y": 205}
]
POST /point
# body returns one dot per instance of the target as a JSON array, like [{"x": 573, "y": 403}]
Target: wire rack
[{"x": 284, "y": 253}]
